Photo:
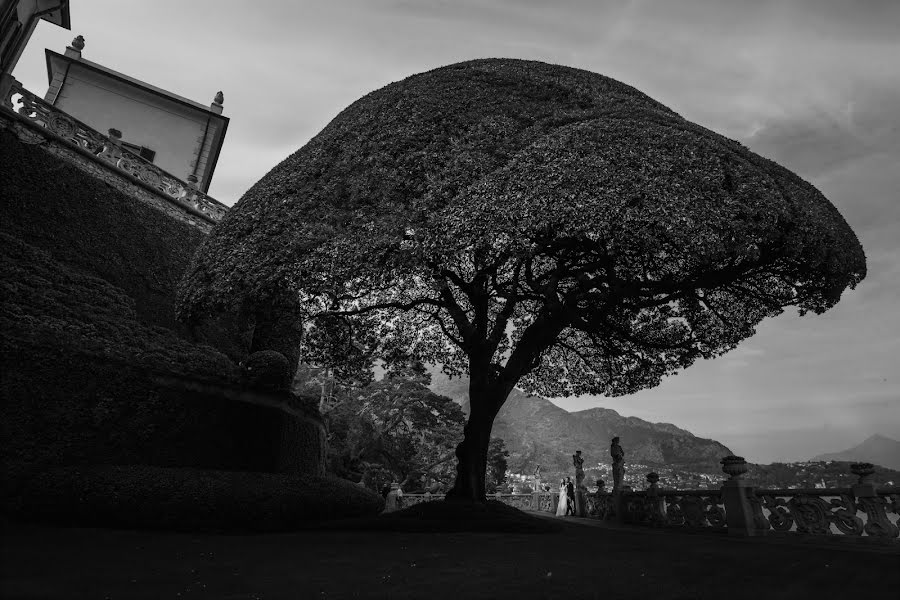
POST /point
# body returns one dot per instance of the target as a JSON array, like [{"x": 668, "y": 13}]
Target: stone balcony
[
  {"x": 37, "y": 122},
  {"x": 862, "y": 511}
]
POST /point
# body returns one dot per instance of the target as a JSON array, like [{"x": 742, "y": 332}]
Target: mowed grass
[{"x": 576, "y": 562}]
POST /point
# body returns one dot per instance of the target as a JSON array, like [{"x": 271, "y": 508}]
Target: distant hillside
[
  {"x": 877, "y": 449},
  {"x": 536, "y": 431}
]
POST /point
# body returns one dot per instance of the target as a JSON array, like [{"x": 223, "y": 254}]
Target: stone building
[
  {"x": 18, "y": 18},
  {"x": 180, "y": 136}
]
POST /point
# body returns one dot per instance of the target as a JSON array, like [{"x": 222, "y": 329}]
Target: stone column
[{"x": 736, "y": 494}]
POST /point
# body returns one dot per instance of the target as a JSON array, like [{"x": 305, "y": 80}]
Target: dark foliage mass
[
  {"x": 267, "y": 369},
  {"x": 87, "y": 224},
  {"x": 46, "y": 304},
  {"x": 395, "y": 430},
  {"x": 528, "y": 224},
  {"x": 142, "y": 497},
  {"x": 84, "y": 381},
  {"x": 543, "y": 190},
  {"x": 497, "y": 464}
]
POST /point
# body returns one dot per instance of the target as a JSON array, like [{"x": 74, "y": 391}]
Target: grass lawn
[{"x": 580, "y": 561}]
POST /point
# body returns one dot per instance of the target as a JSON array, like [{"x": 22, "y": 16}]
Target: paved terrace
[{"x": 587, "y": 559}]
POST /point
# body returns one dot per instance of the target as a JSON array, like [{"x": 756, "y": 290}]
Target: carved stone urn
[
  {"x": 864, "y": 471},
  {"x": 653, "y": 480},
  {"x": 734, "y": 466}
]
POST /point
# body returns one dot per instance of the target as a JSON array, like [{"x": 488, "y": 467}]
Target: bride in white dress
[{"x": 563, "y": 500}]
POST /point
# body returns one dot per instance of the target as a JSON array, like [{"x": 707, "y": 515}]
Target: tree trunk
[{"x": 484, "y": 403}]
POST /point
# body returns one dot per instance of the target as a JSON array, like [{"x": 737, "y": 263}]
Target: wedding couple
[{"x": 566, "y": 504}]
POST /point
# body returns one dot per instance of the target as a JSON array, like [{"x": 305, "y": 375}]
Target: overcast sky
[{"x": 813, "y": 84}]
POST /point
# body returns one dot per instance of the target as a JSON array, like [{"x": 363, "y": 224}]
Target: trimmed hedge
[
  {"x": 85, "y": 382},
  {"x": 142, "y": 497},
  {"x": 87, "y": 224}
]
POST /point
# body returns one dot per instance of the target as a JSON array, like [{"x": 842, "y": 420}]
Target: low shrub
[{"x": 266, "y": 370}]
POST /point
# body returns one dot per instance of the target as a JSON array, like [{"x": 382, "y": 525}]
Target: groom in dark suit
[{"x": 570, "y": 494}]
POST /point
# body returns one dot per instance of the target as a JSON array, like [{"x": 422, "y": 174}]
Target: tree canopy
[{"x": 529, "y": 224}]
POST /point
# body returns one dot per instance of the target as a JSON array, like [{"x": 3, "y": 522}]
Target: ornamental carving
[
  {"x": 843, "y": 515},
  {"x": 779, "y": 517},
  {"x": 811, "y": 514},
  {"x": 17, "y": 99},
  {"x": 877, "y": 522}
]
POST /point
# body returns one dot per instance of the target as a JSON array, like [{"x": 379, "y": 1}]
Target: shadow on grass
[{"x": 444, "y": 516}]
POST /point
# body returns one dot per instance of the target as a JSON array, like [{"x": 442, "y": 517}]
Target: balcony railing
[
  {"x": 862, "y": 510},
  {"x": 106, "y": 148}
]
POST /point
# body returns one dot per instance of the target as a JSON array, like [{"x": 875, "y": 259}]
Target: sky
[{"x": 812, "y": 84}]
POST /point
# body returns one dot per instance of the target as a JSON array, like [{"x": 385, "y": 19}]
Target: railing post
[
  {"x": 736, "y": 494},
  {"x": 867, "y": 500},
  {"x": 656, "y": 504},
  {"x": 392, "y": 501},
  {"x": 619, "y": 503},
  {"x": 112, "y": 150},
  {"x": 7, "y": 84}
]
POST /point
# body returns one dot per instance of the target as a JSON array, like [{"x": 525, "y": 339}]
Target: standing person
[
  {"x": 570, "y": 497},
  {"x": 562, "y": 506}
]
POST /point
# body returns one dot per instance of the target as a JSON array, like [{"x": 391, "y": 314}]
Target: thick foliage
[
  {"x": 46, "y": 304},
  {"x": 549, "y": 227},
  {"x": 82, "y": 221},
  {"x": 497, "y": 465},
  {"x": 395, "y": 429}
]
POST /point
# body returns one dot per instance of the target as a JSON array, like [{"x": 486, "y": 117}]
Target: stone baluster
[
  {"x": 736, "y": 496},
  {"x": 656, "y": 504},
  {"x": 8, "y": 87},
  {"x": 112, "y": 149},
  {"x": 392, "y": 501},
  {"x": 867, "y": 500}
]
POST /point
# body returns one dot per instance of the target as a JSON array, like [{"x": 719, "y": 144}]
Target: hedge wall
[
  {"x": 85, "y": 382},
  {"x": 84, "y": 222}
]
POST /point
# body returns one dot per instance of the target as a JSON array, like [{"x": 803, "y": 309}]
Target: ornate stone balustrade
[
  {"x": 828, "y": 511},
  {"x": 861, "y": 510},
  {"x": 31, "y": 109}
]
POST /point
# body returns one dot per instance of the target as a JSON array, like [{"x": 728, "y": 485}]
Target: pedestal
[
  {"x": 619, "y": 503},
  {"x": 738, "y": 509},
  {"x": 580, "y": 504}
]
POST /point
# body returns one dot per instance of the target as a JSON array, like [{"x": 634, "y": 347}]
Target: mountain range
[
  {"x": 536, "y": 431},
  {"x": 877, "y": 449}
]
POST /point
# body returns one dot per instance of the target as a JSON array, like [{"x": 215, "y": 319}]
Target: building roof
[
  {"x": 59, "y": 62},
  {"x": 60, "y": 16},
  {"x": 56, "y": 61}
]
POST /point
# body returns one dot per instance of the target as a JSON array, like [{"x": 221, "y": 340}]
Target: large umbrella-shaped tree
[{"x": 526, "y": 224}]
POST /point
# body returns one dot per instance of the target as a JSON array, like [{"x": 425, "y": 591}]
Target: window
[{"x": 145, "y": 153}]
